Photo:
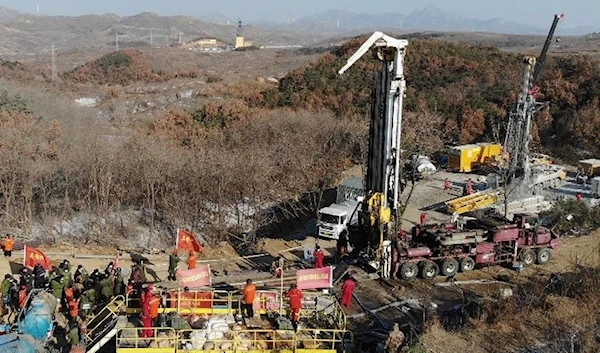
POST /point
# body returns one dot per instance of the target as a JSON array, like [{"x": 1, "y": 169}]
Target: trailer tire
[
  {"x": 449, "y": 267},
  {"x": 527, "y": 257},
  {"x": 429, "y": 270},
  {"x": 467, "y": 264},
  {"x": 409, "y": 271},
  {"x": 544, "y": 256}
]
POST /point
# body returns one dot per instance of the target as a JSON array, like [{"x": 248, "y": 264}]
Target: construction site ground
[{"x": 390, "y": 300}]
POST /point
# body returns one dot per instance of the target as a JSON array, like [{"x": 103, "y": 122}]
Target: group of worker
[
  {"x": 174, "y": 259},
  {"x": 468, "y": 188}
]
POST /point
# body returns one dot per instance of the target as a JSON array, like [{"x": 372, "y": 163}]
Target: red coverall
[
  {"x": 146, "y": 316},
  {"x": 579, "y": 197},
  {"x": 319, "y": 257},
  {"x": 423, "y": 219},
  {"x": 469, "y": 187},
  {"x": 347, "y": 290},
  {"x": 295, "y": 296},
  {"x": 447, "y": 184}
]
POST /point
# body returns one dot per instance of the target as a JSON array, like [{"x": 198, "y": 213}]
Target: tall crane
[
  {"x": 518, "y": 131},
  {"x": 378, "y": 215}
]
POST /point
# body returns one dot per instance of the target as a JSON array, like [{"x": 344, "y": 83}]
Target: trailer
[
  {"x": 465, "y": 158},
  {"x": 444, "y": 249}
]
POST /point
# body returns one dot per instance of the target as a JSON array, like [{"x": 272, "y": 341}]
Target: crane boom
[
  {"x": 378, "y": 221},
  {"x": 542, "y": 59}
]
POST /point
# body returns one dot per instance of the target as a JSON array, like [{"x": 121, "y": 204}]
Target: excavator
[{"x": 378, "y": 213}]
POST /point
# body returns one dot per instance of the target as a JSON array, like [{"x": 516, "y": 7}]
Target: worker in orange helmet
[
  {"x": 319, "y": 257},
  {"x": 192, "y": 260},
  {"x": 295, "y": 296}
]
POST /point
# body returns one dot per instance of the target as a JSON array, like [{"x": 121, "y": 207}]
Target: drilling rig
[
  {"x": 518, "y": 131},
  {"x": 378, "y": 213}
]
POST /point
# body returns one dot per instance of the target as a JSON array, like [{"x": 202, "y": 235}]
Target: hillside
[{"x": 471, "y": 87}]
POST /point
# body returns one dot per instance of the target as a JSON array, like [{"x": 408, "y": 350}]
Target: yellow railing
[
  {"x": 304, "y": 340},
  {"x": 110, "y": 312}
]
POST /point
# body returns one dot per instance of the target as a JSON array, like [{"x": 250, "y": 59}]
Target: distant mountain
[
  {"x": 7, "y": 14},
  {"x": 431, "y": 18},
  {"x": 25, "y": 34}
]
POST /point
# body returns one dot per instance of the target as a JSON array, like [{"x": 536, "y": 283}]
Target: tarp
[
  {"x": 315, "y": 278},
  {"x": 187, "y": 241},
  {"x": 33, "y": 256},
  {"x": 195, "y": 278}
]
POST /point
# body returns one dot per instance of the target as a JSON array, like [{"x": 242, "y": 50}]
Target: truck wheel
[
  {"x": 527, "y": 257},
  {"x": 467, "y": 264},
  {"x": 544, "y": 256},
  {"x": 409, "y": 271},
  {"x": 429, "y": 270},
  {"x": 449, "y": 267}
]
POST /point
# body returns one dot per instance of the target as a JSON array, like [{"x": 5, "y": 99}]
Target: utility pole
[
  {"x": 151, "y": 39},
  {"x": 53, "y": 62},
  {"x": 180, "y": 34}
]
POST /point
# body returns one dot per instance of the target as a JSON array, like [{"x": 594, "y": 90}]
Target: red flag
[
  {"x": 187, "y": 241},
  {"x": 33, "y": 256},
  {"x": 195, "y": 278},
  {"x": 315, "y": 278}
]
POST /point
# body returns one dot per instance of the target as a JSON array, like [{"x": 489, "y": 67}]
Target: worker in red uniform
[
  {"x": 23, "y": 296},
  {"x": 146, "y": 314},
  {"x": 295, "y": 296},
  {"x": 579, "y": 197},
  {"x": 347, "y": 289},
  {"x": 447, "y": 184},
  {"x": 423, "y": 219},
  {"x": 154, "y": 305},
  {"x": 469, "y": 186},
  {"x": 319, "y": 257},
  {"x": 192, "y": 260},
  {"x": 74, "y": 306}
]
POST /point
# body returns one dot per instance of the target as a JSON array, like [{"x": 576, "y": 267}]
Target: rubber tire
[
  {"x": 527, "y": 257},
  {"x": 449, "y": 267},
  {"x": 429, "y": 270},
  {"x": 466, "y": 264},
  {"x": 409, "y": 271},
  {"x": 544, "y": 256}
]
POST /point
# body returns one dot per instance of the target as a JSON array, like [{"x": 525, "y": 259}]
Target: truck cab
[{"x": 335, "y": 219}]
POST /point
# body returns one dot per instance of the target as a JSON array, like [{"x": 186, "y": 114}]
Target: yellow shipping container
[
  {"x": 590, "y": 167},
  {"x": 464, "y": 158}
]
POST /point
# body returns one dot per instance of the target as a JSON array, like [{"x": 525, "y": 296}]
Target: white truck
[{"x": 335, "y": 219}]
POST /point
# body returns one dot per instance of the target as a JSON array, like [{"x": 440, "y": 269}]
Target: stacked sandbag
[
  {"x": 128, "y": 336},
  {"x": 307, "y": 342}
]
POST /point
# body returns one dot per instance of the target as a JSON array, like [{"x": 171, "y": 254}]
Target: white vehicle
[{"x": 335, "y": 219}]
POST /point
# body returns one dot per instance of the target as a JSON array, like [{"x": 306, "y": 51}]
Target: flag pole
[
  {"x": 177, "y": 239},
  {"x": 24, "y": 255}
]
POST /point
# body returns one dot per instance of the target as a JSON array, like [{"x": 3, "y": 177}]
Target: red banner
[
  {"x": 196, "y": 278},
  {"x": 187, "y": 241},
  {"x": 315, "y": 278},
  {"x": 33, "y": 256}
]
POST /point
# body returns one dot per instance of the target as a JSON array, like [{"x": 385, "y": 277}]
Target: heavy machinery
[
  {"x": 378, "y": 218},
  {"x": 518, "y": 133},
  {"x": 445, "y": 249},
  {"x": 34, "y": 325}
]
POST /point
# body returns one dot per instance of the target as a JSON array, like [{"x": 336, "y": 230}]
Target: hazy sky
[{"x": 534, "y": 12}]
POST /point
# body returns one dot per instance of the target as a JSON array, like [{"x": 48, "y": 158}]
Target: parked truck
[
  {"x": 445, "y": 249},
  {"x": 335, "y": 219}
]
